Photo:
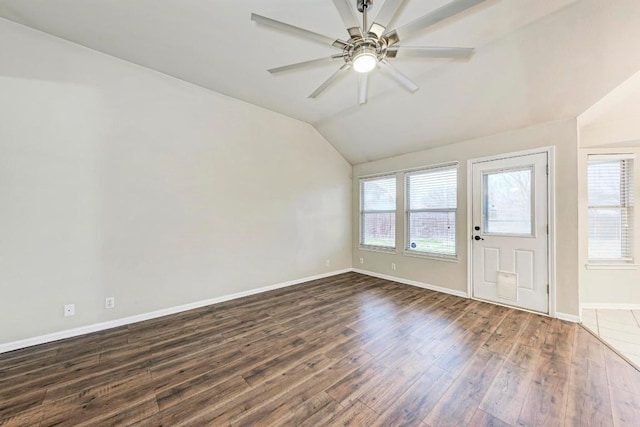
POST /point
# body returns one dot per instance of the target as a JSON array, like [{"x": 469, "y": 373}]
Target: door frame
[{"x": 551, "y": 217}]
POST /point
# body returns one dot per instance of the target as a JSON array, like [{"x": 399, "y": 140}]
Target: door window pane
[{"x": 508, "y": 203}]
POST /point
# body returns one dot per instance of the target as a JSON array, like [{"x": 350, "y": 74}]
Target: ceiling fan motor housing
[{"x": 366, "y": 46}]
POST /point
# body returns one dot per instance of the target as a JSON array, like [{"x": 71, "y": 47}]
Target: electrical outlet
[
  {"x": 69, "y": 310},
  {"x": 393, "y": 265},
  {"x": 328, "y": 262},
  {"x": 110, "y": 302},
  {"x": 361, "y": 260}
]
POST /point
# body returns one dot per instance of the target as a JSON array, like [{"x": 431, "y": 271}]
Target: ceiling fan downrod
[{"x": 363, "y": 6}]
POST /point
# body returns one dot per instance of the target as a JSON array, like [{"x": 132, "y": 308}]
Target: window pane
[
  {"x": 379, "y": 229},
  {"x": 379, "y": 194},
  {"x": 433, "y": 190},
  {"x": 608, "y": 231},
  {"x": 433, "y": 232},
  {"x": 431, "y": 211},
  {"x": 610, "y": 196},
  {"x": 605, "y": 182},
  {"x": 508, "y": 202}
]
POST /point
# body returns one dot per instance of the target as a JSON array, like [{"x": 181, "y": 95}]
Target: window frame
[
  {"x": 363, "y": 212},
  {"x": 624, "y": 204},
  {"x": 407, "y": 213}
]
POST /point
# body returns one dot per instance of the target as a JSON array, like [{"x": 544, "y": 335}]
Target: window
[
  {"x": 508, "y": 202},
  {"x": 378, "y": 212},
  {"x": 431, "y": 211},
  {"x": 610, "y": 198}
]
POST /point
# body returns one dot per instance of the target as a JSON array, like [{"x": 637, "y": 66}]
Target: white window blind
[
  {"x": 431, "y": 210},
  {"x": 378, "y": 212},
  {"x": 610, "y": 188}
]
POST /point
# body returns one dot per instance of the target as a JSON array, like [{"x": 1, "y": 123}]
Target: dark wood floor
[{"x": 349, "y": 350}]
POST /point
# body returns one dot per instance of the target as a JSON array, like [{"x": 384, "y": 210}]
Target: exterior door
[{"x": 510, "y": 231}]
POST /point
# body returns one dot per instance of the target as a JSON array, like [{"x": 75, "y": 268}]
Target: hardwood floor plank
[
  {"x": 626, "y": 407},
  {"x": 535, "y": 331},
  {"x": 290, "y": 408},
  {"x": 507, "y": 333},
  {"x": 505, "y": 398},
  {"x": 588, "y": 391},
  {"x": 482, "y": 419},
  {"x": 128, "y": 415},
  {"x": 459, "y": 403},
  {"x": 588, "y": 349},
  {"x": 322, "y": 416},
  {"x": 28, "y": 418},
  {"x": 227, "y": 387},
  {"x": 357, "y": 414},
  {"x": 312, "y": 375},
  {"x": 525, "y": 356},
  {"x": 344, "y": 350},
  {"x": 621, "y": 374},
  {"x": 546, "y": 401},
  {"x": 413, "y": 406},
  {"x": 559, "y": 341}
]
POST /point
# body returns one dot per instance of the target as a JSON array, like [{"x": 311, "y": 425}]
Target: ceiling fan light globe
[{"x": 365, "y": 62}]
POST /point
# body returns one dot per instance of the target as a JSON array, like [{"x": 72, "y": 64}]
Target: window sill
[
  {"x": 621, "y": 266},
  {"x": 431, "y": 256},
  {"x": 391, "y": 251}
]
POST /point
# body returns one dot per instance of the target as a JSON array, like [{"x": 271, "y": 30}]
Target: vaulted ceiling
[{"x": 535, "y": 61}]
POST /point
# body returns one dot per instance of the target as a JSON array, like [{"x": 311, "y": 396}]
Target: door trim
[{"x": 551, "y": 217}]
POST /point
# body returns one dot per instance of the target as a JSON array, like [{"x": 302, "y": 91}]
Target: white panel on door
[
  {"x": 491, "y": 263},
  {"x": 507, "y": 286},
  {"x": 525, "y": 269}
]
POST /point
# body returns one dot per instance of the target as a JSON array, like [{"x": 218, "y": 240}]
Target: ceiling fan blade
[
  {"x": 299, "y": 31},
  {"x": 330, "y": 81},
  {"x": 429, "y": 52},
  {"x": 431, "y": 18},
  {"x": 386, "y": 14},
  {"x": 363, "y": 87},
  {"x": 395, "y": 74},
  {"x": 348, "y": 16},
  {"x": 304, "y": 64}
]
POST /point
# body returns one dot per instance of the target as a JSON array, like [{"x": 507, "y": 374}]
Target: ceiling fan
[{"x": 372, "y": 46}]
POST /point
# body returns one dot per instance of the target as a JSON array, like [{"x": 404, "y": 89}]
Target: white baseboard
[
  {"x": 69, "y": 333},
  {"x": 568, "y": 317},
  {"x": 562, "y": 316},
  {"x": 413, "y": 283},
  {"x": 608, "y": 306}
]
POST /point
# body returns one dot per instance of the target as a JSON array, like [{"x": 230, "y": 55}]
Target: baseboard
[
  {"x": 413, "y": 283},
  {"x": 608, "y": 306},
  {"x": 568, "y": 317},
  {"x": 96, "y": 327}
]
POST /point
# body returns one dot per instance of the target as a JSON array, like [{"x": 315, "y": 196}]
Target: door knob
[{"x": 478, "y": 238}]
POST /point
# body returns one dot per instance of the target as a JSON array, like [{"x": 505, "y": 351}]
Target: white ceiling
[{"x": 214, "y": 44}]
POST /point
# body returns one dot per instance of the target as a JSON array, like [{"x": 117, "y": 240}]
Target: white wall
[
  {"x": 119, "y": 181},
  {"x": 610, "y": 126},
  {"x": 613, "y": 120},
  {"x": 562, "y": 135}
]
